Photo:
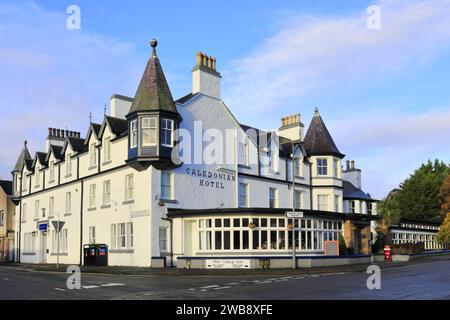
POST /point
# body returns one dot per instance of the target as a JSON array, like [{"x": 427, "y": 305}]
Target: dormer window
[
  {"x": 52, "y": 171},
  {"x": 133, "y": 134},
  {"x": 38, "y": 177},
  {"x": 167, "y": 132},
  {"x": 107, "y": 149},
  {"x": 93, "y": 155},
  {"x": 68, "y": 165},
  {"x": 149, "y": 137}
]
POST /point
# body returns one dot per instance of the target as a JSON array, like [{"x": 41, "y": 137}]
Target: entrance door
[
  {"x": 43, "y": 247},
  {"x": 189, "y": 238}
]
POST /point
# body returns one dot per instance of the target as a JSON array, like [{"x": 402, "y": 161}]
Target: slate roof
[
  {"x": 352, "y": 192},
  {"x": 318, "y": 140},
  {"x": 24, "y": 155},
  {"x": 57, "y": 152},
  {"x": 186, "y": 98},
  {"x": 42, "y": 156},
  {"x": 117, "y": 125},
  {"x": 153, "y": 93},
  {"x": 96, "y": 127},
  {"x": 77, "y": 144},
  {"x": 7, "y": 187}
]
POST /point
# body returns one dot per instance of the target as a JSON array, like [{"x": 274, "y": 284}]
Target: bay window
[
  {"x": 166, "y": 132},
  {"x": 133, "y": 134},
  {"x": 322, "y": 167},
  {"x": 149, "y": 136}
]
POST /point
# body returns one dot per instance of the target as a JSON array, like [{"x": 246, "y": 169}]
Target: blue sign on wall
[{"x": 43, "y": 227}]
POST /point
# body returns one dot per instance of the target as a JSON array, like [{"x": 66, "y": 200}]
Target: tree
[
  {"x": 418, "y": 198},
  {"x": 443, "y": 236},
  {"x": 444, "y": 197},
  {"x": 390, "y": 215}
]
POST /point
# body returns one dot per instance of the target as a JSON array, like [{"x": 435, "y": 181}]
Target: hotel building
[{"x": 183, "y": 182}]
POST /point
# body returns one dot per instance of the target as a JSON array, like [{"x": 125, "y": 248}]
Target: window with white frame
[
  {"x": 297, "y": 167},
  {"x": 149, "y": 130},
  {"x": 322, "y": 167},
  {"x": 166, "y": 185},
  {"x": 133, "y": 134},
  {"x": 369, "y": 208},
  {"x": 122, "y": 236},
  {"x": 273, "y": 160},
  {"x": 113, "y": 243},
  {"x": 129, "y": 187},
  {"x": 68, "y": 202},
  {"x": 337, "y": 200},
  {"x": 29, "y": 242},
  {"x": 92, "y": 239},
  {"x": 107, "y": 149},
  {"x": 352, "y": 206},
  {"x": 243, "y": 195},
  {"x": 163, "y": 239},
  {"x": 166, "y": 132},
  {"x": 68, "y": 165},
  {"x": 2, "y": 217},
  {"x": 273, "y": 198},
  {"x": 24, "y": 212},
  {"x": 322, "y": 202},
  {"x": 268, "y": 234},
  {"x": 37, "y": 177},
  {"x": 243, "y": 153},
  {"x": 130, "y": 235},
  {"x": 64, "y": 241},
  {"x": 106, "y": 193},
  {"x": 93, "y": 155},
  {"x": 51, "y": 206},
  {"x": 51, "y": 167},
  {"x": 297, "y": 199},
  {"x": 92, "y": 196},
  {"x": 36, "y": 209},
  {"x": 336, "y": 167}
]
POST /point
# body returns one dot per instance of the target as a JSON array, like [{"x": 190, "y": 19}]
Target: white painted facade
[{"x": 99, "y": 203}]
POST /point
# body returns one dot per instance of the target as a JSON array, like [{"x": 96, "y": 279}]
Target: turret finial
[
  {"x": 316, "y": 112},
  {"x": 25, "y": 143},
  {"x": 153, "y": 44}
]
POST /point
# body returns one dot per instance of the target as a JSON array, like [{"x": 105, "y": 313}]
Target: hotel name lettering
[{"x": 209, "y": 179}]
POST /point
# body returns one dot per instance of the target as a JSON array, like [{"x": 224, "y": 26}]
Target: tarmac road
[{"x": 425, "y": 279}]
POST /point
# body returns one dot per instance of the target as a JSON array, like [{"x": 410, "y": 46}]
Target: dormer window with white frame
[
  {"x": 166, "y": 132},
  {"x": 149, "y": 127},
  {"x": 37, "y": 177},
  {"x": 51, "y": 167},
  {"x": 68, "y": 165},
  {"x": 243, "y": 153},
  {"x": 93, "y": 155},
  {"x": 297, "y": 167},
  {"x": 107, "y": 149}
]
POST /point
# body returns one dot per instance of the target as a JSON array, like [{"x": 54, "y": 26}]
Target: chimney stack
[
  {"x": 291, "y": 127},
  {"x": 353, "y": 164},
  {"x": 205, "y": 78}
]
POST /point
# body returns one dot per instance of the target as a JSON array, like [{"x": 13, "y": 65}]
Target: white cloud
[
  {"x": 53, "y": 77},
  {"x": 311, "y": 52}
]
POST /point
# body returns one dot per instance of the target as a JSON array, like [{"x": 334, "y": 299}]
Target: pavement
[{"x": 425, "y": 278}]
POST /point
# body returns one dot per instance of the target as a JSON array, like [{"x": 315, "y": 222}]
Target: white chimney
[
  {"x": 120, "y": 106},
  {"x": 291, "y": 127},
  {"x": 205, "y": 78},
  {"x": 352, "y": 174}
]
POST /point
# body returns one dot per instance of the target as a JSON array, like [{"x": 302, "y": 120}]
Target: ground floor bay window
[{"x": 264, "y": 234}]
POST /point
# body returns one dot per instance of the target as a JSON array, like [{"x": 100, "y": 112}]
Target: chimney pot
[
  {"x": 49, "y": 132},
  {"x": 353, "y": 164},
  {"x": 199, "y": 58},
  {"x": 347, "y": 165},
  {"x": 58, "y": 133}
]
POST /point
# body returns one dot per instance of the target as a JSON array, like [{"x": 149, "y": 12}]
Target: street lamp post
[{"x": 294, "y": 257}]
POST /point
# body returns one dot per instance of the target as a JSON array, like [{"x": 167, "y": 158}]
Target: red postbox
[{"x": 387, "y": 253}]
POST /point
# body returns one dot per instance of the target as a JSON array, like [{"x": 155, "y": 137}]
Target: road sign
[
  {"x": 294, "y": 214},
  {"x": 58, "y": 225},
  {"x": 43, "y": 226}
]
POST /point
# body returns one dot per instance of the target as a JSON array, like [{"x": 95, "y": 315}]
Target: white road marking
[
  {"x": 232, "y": 284},
  {"x": 209, "y": 287},
  {"x": 89, "y": 287},
  {"x": 6, "y": 279},
  {"x": 111, "y": 285},
  {"x": 220, "y": 288},
  {"x": 59, "y": 289}
]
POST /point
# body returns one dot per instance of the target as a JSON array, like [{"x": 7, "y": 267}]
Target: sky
[{"x": 383, "y": 93}]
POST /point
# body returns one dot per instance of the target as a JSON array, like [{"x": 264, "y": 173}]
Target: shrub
[{"x": 407, "y": 248}]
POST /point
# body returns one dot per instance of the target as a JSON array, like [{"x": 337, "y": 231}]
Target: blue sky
[{"x": 384, "y": 94}]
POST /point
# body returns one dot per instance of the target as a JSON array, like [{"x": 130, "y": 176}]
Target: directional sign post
[{"x": 58, "y": 225}]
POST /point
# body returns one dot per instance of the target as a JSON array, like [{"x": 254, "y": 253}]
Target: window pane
[{"x": 236, "y": 240}]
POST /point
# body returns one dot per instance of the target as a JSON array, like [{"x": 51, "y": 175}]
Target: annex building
[{"x": 182, "y": 182}]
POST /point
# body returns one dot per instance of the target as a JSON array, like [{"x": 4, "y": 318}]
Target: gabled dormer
[
  {"x": 152, "y": 120},
  {"x": 21, "y": 164}
]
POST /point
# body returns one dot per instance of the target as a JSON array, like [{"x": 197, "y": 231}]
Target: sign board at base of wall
[{"x": 228, "y": 264}]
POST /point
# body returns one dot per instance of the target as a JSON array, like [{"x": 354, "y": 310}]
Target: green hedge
[{"x": 407, "y": 248}]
